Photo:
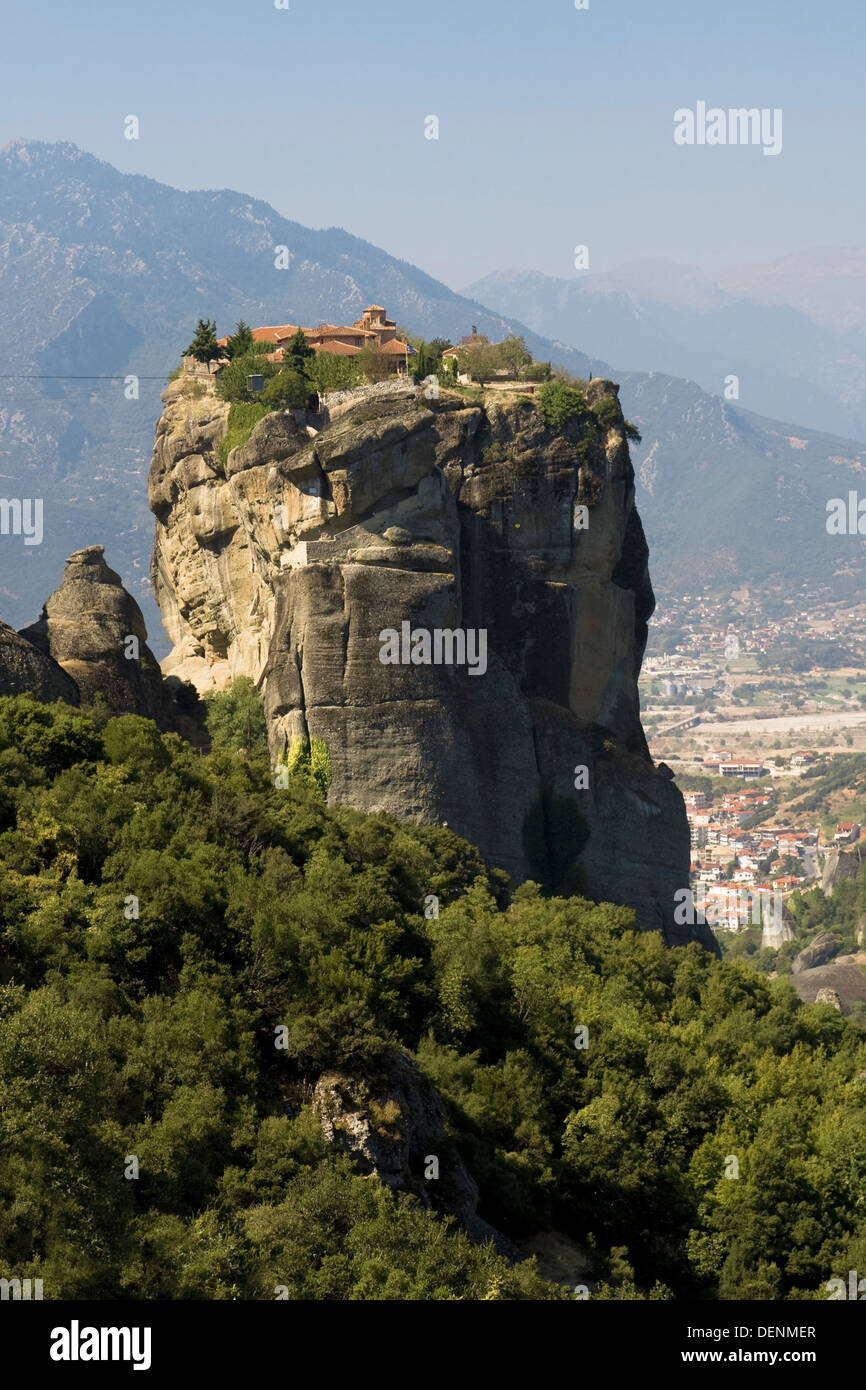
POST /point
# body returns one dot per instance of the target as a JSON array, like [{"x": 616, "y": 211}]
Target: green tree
[
  {"x": 330, "y": 372},
  {"x": 204, "y": 346},
  {"x": 559, "y": 403},
  {"x": 373, "y": 365},
  {"x": 297, "y": 354},
  {"x": 241, "y": 341},
  {"x": 514, "y": 355},
  {"x": 309, "y": 758},
  {"x": 232, "y": 382},
  {"x": 287, "y": 390},
  {"x": 236, "y": 718}
]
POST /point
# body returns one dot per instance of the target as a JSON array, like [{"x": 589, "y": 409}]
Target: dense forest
[{"x": 685, "y": 1121}]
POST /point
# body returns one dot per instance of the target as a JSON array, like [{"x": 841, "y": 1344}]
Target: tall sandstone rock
[
  {"x": 85, "y": 627},
  {"x": 287, "y": 562}
]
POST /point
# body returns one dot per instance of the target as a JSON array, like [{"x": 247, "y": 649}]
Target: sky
[{"x": 555, "y": 124}]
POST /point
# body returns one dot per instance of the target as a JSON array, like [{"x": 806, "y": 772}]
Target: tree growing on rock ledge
[{"x": 204, "y": 346}]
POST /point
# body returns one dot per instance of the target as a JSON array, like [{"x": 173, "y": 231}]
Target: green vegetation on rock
[
  {"x": 309, "y": 758},
  {"x": 559, "y": 403},
  {"x": 243, "y": 418}
]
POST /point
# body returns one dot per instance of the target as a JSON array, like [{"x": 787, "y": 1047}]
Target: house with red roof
[{"x": 372, "y": 330}]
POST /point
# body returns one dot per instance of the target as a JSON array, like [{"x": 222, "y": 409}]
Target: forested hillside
[{"x": 166, "y": 915}]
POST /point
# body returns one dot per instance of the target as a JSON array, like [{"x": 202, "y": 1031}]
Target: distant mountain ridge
[
  {"x": 103, "y": 274},
  {"x": 798, "y": 351}
]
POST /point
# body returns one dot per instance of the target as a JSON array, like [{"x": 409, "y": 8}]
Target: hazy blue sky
[{"x": 556, "y": 125}]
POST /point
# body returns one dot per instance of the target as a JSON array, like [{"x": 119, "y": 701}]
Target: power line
[{"x": 139, "y": 376}]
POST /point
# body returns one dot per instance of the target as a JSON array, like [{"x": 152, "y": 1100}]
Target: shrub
[
  {"x": 559, "y": 403},
  {"x": 309, "y": 758},
  {"x": 231, "y": 384},
  {"x": 288, "y": 390},
  {"x": 328, "y": 372},
  {"x": 607, "y": 412},
  {"x": 373, "y": 364},
  {"x": 242, "y": 420},
  {"x": 536, "y": 371}
]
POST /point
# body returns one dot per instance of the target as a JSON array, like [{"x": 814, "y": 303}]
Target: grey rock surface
[
  {"x": 393, "y": 1123},
  {"x": 85, "y": 627},
  {"x": 818, "y": 952},
  {"x": 288, "y": 561},
  {"x": 25, "y": 670}
]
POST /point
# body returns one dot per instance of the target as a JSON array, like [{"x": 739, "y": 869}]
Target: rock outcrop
[
  {"x": 837, "y": 867},
  {"x": 415, "y": 516},
  {"x": 778, "y": 926},
  {"x": 25, "y": 670},
  {"x": 818, "y": 952},
  {"x": 829, "y": 996},
  {"x": 394, "y": 1125},
  {"x": 93, "y": 631},
  {"x": 844, "y": 978}
]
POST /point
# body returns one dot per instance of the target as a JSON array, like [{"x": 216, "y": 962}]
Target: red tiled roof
[
  {"x": 275, "y": 333},
  {"x": 332, "y": 330},
  {"x": 339, "y": 349}
]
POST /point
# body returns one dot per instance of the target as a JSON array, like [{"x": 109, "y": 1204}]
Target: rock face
[
  {"x": 778, "y": 927},
  {"x": 838, "y": 867},
  {"x": 842, "y": 983},
  {"x": 818, "y": 952},
  {"x": 85, "y": 628},
  {"x": 294, "y": 560},
  {"x": 829, "y": 996},
  {"x": 394, "y": 1125},
  {"x": 25, "y": 670}
]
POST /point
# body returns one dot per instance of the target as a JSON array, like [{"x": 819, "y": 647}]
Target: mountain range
[
  {"x": 103, "y": 275},
  {"x": 792, "y": 332}
]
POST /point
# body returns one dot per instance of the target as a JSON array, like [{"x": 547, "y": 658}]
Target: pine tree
[
  {"x": 241, "y": 341},
  {"x": 204, "y": 346},
  {"x": 297, "y": 353}
]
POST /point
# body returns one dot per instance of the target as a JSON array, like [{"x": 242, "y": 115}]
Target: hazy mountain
[
  {"x": 103, "y": 275},
  {"x": 728, "y": 497},
  {"x": 827, "y": 284},
  {"x": 791, "y": 362}
]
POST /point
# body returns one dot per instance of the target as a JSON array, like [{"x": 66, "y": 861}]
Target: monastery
[{"x": 372, "y": 329}]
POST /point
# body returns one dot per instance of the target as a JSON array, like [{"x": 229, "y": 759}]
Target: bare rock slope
[
  {"x": 25, "y": 670},
  {"x": 290, "y": 560}
]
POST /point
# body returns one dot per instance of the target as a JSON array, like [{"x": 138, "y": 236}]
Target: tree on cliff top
[
  {"x": 204, "y": 346},
  {"x": 232, "y": 384},
  {"x": 297, "y": 353},
  {"x": 241, "y": 341}
]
